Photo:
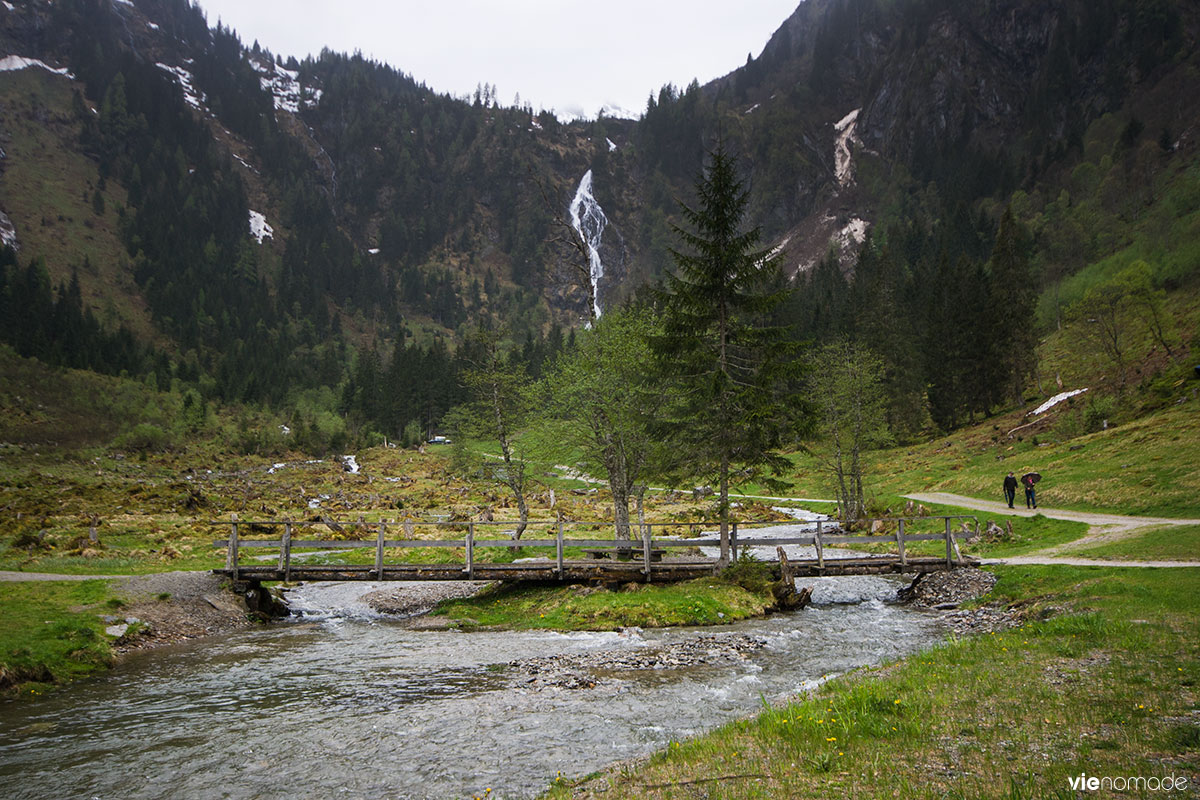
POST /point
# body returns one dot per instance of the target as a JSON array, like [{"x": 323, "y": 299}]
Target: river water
[{"x": 341, "y": 702}]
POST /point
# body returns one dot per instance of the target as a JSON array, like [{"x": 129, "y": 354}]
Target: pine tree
[{"x": 731, "y": 372}]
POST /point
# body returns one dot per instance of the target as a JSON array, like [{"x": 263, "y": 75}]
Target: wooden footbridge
[{"x": 647, "y": 558}]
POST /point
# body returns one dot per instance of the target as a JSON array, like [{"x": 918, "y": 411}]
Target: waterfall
[{"x": 588, "y": 220}]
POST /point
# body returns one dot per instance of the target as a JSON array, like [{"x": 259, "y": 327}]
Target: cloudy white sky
[{"x": 573, "y": 56}]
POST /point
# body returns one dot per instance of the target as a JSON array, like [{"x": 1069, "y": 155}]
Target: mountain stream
[{"x": 343, "y": 702}]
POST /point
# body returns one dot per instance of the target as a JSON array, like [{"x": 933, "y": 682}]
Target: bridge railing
[{"x": 648, "y": 548}]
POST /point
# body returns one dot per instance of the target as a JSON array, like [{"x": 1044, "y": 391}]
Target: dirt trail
[{"x": 1104, "y": 528}]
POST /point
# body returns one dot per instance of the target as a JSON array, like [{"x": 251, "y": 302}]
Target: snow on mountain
[
  {"x": 259, "y": 228},
  {"x": 284, "y": 85},
  {"x": 8, "y": 232},
  {"x": 843, "y": 160},
  {"x": 186, "y": 83},
  {"x": 852, "y": 234},
  {"x": 13, "y": 63},
  {"x": 1053, "y": 401},
  {"x": 241, "y": 160}
]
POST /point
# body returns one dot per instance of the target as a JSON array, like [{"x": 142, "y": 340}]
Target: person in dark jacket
[
  {"x": 1030, "y": 495},
  {"x": 1010, "y": 489}
]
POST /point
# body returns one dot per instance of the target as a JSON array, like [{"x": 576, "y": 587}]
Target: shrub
[
  {"x": 749, "y": 573},
  {"x": 143, "y": 438}
]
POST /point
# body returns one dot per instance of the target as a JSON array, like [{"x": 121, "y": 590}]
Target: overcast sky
[{"x": 573, "y": 56}]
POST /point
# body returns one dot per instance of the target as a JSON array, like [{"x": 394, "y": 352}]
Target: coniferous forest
[{"x": 961, "y": 227}]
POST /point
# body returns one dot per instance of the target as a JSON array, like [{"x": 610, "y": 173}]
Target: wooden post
[
  {"x": 558, "y": 547},
  {"x": 820, "y": 548},
  {"x": 285, "y": 552},
  {"x": 949, "y": 541},
  {"x": 379, "y": 551},
  {"x": 900, "y": 544},
  {"x": 470, "y": 551},
  {"x": 733, "y": 542},
  {"x": 231, "y": 552},
  {"x": 646, "y": 554}
]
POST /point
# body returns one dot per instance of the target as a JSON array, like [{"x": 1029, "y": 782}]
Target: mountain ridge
[{"x": 401, "y": 216}]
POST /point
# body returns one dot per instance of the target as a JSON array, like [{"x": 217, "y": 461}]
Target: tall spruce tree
[{"x": 734, "y": 398}]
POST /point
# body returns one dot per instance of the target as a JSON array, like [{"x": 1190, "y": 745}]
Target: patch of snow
[
  {"x": 285, "y": 430},
  {"x": 843, "y": 160},
  {"x": 8, "y": 232},
  {"x": 374, "y": 251},
  {"x": 610, "y": 110},
  {"x": 776, "y": 250},
  {"x": 611, "y": 144},
  {"x": 350, "y": 464},
  {"x": 1053, "y": 401},
  {"x": 537, "y": 125},
  {"x": 259, "y": 228},
  {"x": 125, "y": 2},
  {"x": 9, "y": 6},
  {"x": 752, "y": 108},
  {"x": 185, "y": 82},
  {"x": 152, "y": 26},
  {"x": 243, "y": 162},
  {"x": 853, "y": 234},
  {"x": 14, "y": 63},
  {"x": 284, "y": 86}
]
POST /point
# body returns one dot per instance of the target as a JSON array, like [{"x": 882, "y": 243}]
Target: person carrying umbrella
[{"x": 1028, "y": 480}]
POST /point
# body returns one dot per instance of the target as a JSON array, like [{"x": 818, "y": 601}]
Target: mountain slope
[{"x": 399, "y": 217}]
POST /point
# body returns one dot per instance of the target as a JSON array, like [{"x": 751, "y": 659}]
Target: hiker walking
[
  {"x": 1028, "y": 480},
  {"x": 1010, "y": 489}
]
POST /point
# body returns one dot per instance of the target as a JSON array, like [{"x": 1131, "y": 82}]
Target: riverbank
[
  {"x": 112, "y": 617},
  {"x": 1098, "y": 676},
  {"x": 61, "y": 628}
]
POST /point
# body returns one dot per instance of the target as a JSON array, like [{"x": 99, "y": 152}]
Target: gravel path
[{"x": 1104, "y": 528}]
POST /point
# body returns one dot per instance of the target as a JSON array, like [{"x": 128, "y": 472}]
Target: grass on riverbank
[
  {"x": 1100, "y": 679},
  {"x": 53, "y": 632},
  {"x": 704, "y": 601}
]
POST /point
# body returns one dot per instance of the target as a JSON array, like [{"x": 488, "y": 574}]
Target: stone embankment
[{"x": 946, "y": 591}]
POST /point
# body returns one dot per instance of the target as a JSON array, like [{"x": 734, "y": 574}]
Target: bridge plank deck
[{"x": 598, "y": 570}]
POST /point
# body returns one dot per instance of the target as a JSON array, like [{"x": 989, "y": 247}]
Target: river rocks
[
  {"x": 943, "y": 590},
  {"x": 419, "y": 597},
  {"x": 586, "y": 670},
  {"x": 987, "y": 619}
]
